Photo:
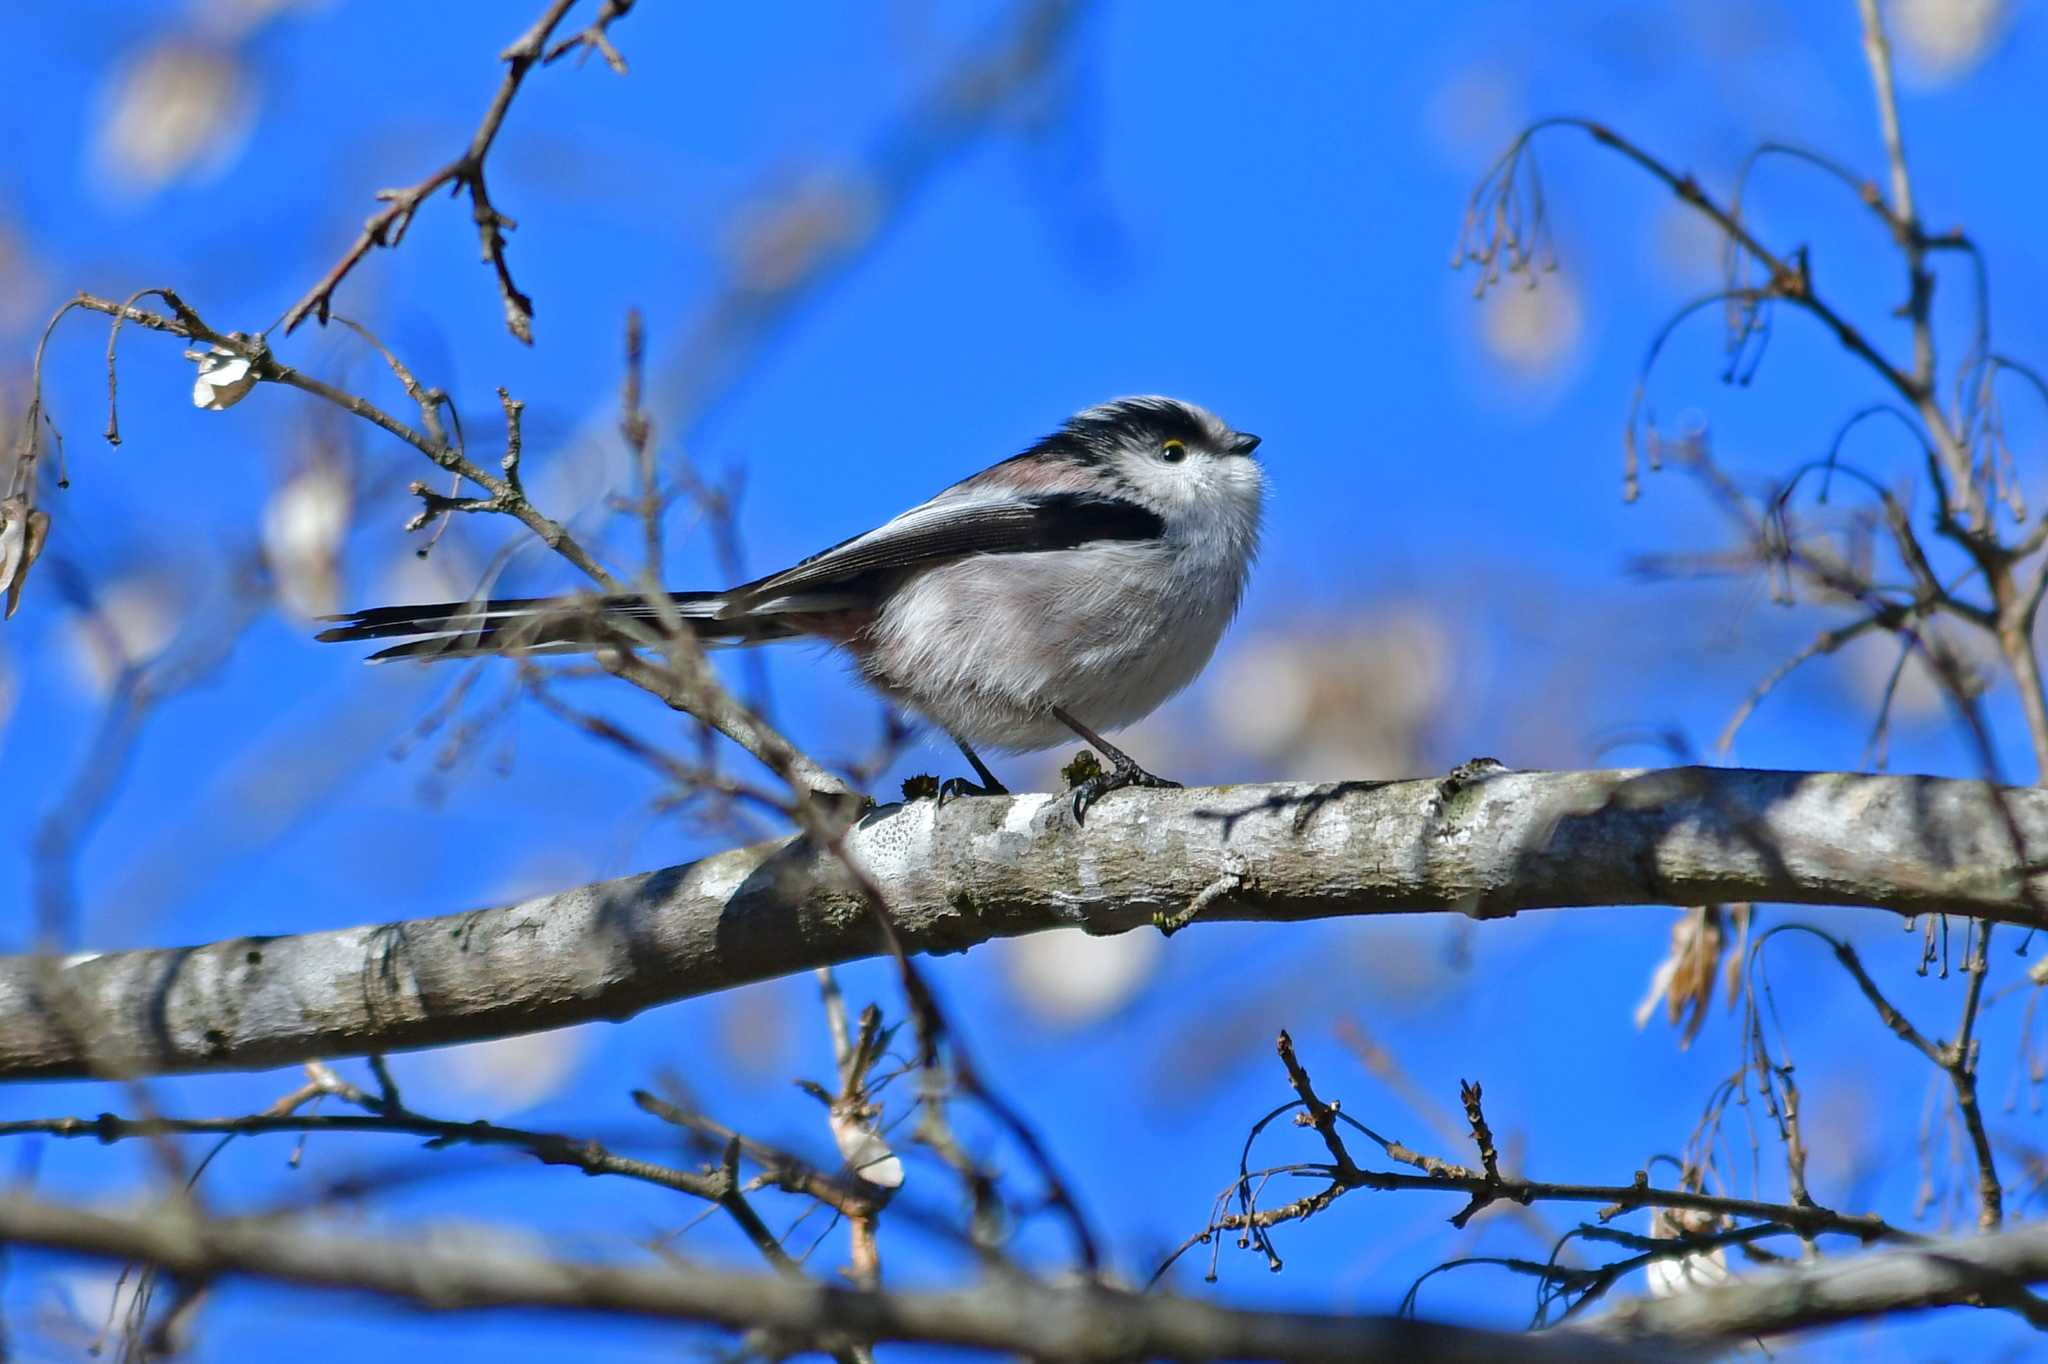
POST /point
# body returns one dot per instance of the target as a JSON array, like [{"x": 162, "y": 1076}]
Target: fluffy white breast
[{"x": 988, "y": 645}]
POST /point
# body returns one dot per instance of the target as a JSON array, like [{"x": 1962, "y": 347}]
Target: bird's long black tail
[{"x": 529, "y": 625}]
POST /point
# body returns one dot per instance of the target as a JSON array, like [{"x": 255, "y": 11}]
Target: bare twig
[
  {"x": 595, "y": 37},
  {"x": 1319, "y": 1115},
  {"x": 1905, "y": 221},
  {"x": 1956, "y": 1060},
  {"x": 1486, "y": 1186},
  {"x": 382, "y": 1117},
  {"x": 465, "y": 174},
  {"x": 687, "y": 684}
]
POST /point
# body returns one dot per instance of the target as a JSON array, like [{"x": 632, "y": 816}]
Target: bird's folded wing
[{"x": 948, "y": 527}]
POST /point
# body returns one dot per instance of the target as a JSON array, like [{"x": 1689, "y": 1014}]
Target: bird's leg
[
  {"x": 1123, "y": 768},
  {"x": 960, "y": 786}
]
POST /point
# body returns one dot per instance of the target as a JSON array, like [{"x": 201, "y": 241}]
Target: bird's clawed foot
[
  {"x": 960, "y": 786},
  {"x": 1123, "y": 769},
  {"x": 1123, "y": 772}
]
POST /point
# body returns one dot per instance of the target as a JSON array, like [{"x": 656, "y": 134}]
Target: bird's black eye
[{"x": 1173, "y": 451}]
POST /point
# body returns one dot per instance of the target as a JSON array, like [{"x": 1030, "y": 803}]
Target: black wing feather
[
  {"x": 1022, "y": 525},
  {"x": 1048, "y": 521}
]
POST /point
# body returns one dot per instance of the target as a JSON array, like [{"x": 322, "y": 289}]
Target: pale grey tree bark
[
  {"x": 1484, "y": 842},
  {"x": 1012, "y": 1314},
  {"x": 450, "y": 1271},
  {"x": 1835, "y": 1289}
]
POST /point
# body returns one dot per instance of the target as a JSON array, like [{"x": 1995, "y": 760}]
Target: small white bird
[{"x": 1065, "y": 591}]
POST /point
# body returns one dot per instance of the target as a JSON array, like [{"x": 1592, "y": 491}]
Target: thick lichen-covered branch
[{"x": 1485, "y": 842}]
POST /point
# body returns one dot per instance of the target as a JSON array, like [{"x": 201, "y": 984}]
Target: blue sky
[{"x": 1249, "y": 207}]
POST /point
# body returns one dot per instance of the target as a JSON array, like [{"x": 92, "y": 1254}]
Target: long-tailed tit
[{"x": 1067, "y": 590}]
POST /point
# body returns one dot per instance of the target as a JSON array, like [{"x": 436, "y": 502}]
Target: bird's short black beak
[{"x": 1243, "y": 443}]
